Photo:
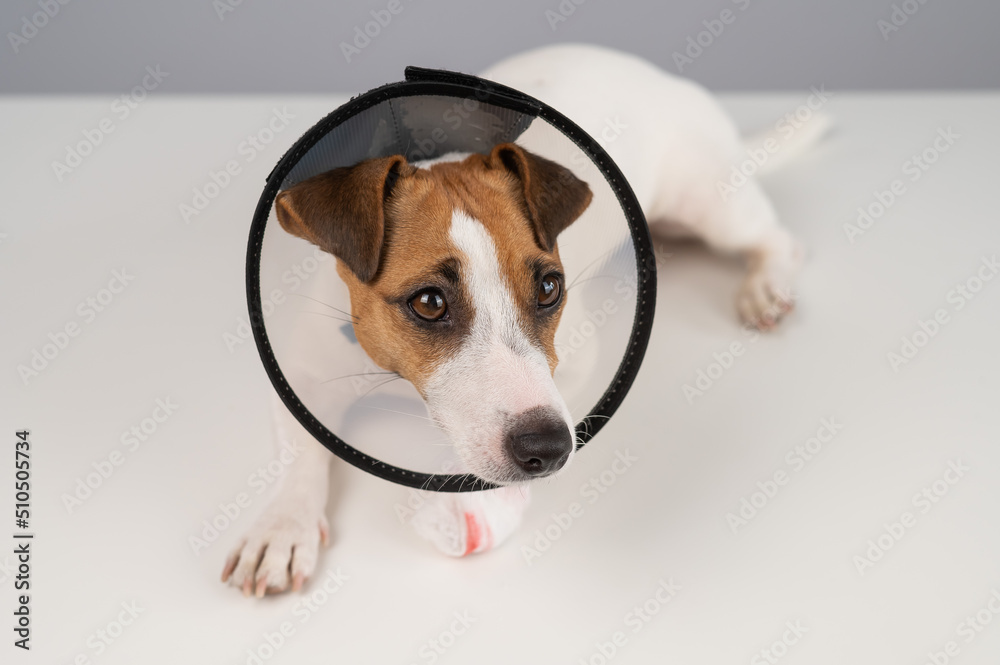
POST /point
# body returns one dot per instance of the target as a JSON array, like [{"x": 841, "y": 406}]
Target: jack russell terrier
[{"x": 456, "y": 285}]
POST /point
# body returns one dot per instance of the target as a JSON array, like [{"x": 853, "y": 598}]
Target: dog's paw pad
[{"x": 280, "y": 551}]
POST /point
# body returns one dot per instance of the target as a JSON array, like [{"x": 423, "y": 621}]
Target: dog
[{"x": 456, "y": 284}]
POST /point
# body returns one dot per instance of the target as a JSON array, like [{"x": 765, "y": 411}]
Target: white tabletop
[{"x": 790, "y": 579}]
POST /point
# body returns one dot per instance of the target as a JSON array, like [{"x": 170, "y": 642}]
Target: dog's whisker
[
  {"x": 584, "y": 281},
  {"x": 329, "y": 316},
  {"x": 402, "y": 413},
  {"x": 395, "y": 378},
  {"x": 442, "y": 442},
  {"x": 300, "y": 295},
  {"x": 578, "y": 440},
  {"x": 347, "y": 376},
  {"x": 445, "y": 439},
  {"x": 589, "y": 266}
]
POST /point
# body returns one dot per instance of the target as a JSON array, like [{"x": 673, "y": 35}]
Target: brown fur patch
[
  {"x": 341, "y": 211},
  {"x": 416, "y": 244},
  {"x": 493, "y": 197},
  {"x": 418, "y": 219}
]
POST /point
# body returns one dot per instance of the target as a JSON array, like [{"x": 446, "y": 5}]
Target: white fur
[
  {"x": 674, "y": 143},
  {"x": 447, "y": 157},
  {"x": 443, "y": 519},
  {"x": 497, "y": 373},
  {"x": 284, "y": 541}
]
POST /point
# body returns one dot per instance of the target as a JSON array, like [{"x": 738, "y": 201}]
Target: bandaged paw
[{"x": 464, "y": 523}]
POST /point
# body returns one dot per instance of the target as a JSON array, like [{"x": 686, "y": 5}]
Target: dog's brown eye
[
  {"x": 429, "y": 304},
  {"x": 549, "y": 291}
]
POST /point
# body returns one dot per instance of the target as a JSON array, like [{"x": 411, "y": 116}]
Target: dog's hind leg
[
  {"x": 469, "y": 522},
  {"x": 705, "y": 194},
  {"x": 282, "y": 547},
  {"x": 743, "y": 222}
]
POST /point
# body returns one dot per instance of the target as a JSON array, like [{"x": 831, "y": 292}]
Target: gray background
[{"x": 103, "y": 46}]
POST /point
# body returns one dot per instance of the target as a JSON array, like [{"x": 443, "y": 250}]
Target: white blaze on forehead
[
  {"x": 497, "y": 363},
  {"x": 497, "y": 373},
  {"x": 496, "y": 312}
]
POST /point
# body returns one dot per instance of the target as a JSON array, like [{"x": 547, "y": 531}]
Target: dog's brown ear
[
  {"x": 343, "y": 211},
  {"x": 553, "y": 197}
]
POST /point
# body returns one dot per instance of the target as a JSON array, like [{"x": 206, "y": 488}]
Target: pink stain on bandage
[{"x": 476, "y": 535}]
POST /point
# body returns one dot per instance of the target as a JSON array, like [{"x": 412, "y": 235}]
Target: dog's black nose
[{"x": 539, "y": 441}]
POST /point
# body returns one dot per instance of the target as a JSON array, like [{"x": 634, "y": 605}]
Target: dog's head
[{"x": 456, "y": 284}]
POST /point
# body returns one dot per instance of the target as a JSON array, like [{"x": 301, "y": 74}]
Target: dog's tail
[{"x": 791, "y": 139}]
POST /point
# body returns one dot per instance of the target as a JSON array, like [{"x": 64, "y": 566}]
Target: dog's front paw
[
  {"x": 466, "y": 523},
  {"x": 280, "y": 549}
]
